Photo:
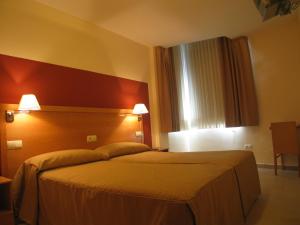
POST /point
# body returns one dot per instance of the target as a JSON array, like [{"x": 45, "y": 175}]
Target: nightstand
[
  {"x": 6, "y": 214},
  {"x": 161, "y": 149}
]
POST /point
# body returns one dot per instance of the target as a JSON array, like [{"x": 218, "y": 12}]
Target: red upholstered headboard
[{"x": 62, "y": 86}]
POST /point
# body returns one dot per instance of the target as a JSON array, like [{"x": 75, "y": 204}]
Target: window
[{"x": 199, "y": 85}]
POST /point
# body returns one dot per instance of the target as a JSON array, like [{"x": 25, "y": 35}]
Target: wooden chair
[{"x": 285, "y": 141}]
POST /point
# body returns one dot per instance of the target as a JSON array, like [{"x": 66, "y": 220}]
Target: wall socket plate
[
  {"x": 91, "y": 138},
  {"x": 139, "y": 134},
  {"x": 15, "y": 144},
  {"x": 248, "y": 146}
]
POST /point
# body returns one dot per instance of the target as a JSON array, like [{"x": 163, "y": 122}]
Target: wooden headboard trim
[{"x": 72, "y": 109}]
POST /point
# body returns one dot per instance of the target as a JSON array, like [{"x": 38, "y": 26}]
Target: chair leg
[
  {"x": 299, "y": 165},
  {"x": 275, "y": 164}
]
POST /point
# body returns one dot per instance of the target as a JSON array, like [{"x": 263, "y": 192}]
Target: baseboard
[{"x": 270, "y": 166}]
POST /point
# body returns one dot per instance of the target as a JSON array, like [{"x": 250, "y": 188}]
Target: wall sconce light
[
  {"x": 140, "y": 109},
  {"x": 27, "y": 103}
]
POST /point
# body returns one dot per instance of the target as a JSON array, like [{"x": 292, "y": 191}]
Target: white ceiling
[{"x": 166, "y": 22}]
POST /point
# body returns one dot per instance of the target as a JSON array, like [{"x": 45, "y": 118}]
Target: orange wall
[
  {"x": 34, "y": 31},
  {"x": 276, "y": 55}
]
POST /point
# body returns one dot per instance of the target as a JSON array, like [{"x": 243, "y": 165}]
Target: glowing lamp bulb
[
  {"x": 139, "y": 109},
  {"x": 29, "y": 103}
]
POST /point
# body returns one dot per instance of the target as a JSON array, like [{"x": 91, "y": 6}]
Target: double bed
[{"x": 128, "y": 184}]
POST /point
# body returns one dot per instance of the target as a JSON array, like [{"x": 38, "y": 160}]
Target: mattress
[
  {"x": 242, "y": 162},
  {"x": 84, "y": 187},
  {"x": 127, "y": 184},
  {"x": 117, "y": 193}
]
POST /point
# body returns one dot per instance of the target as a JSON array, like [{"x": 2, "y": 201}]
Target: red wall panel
[{"x": 63, "y": 86}]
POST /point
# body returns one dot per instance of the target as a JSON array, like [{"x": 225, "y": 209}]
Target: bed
[
  {"x": 127, "y": 184},
  {"x": 242, "y": 162}
]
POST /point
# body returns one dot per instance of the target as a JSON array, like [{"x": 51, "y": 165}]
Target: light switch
[
  {"x": 13, "y": 145},
  {"x": 91, "y": 138}
]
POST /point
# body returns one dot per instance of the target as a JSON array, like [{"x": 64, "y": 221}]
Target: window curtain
[
  {"x": 198, "y": 74},
  {"x": 207, "y": 84},
  {"x": 167, "y": 93},
  {"x": 238, "y": 83}
]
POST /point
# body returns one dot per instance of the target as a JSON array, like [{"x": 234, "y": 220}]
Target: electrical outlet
[
  {"x": 13, "y": 145},
  {"x": 248, "y": 146},
  {"x": 91, "y": 138},
  {"x": 139, "y": 134}
]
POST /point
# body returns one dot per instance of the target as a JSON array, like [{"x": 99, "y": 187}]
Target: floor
[{"x": 280, "y": 200}]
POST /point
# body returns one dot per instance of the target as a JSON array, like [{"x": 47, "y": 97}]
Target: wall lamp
[
  {"x": 27, "y": 103},
  {"x": 140, "y": 109}
]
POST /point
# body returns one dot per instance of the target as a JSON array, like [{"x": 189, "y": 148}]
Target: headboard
[
  {"x": 58, "y": 128},
  {"x": 75, "y": 103}
]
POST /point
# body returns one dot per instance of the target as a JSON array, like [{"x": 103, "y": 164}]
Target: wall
[
  {"x": 64, "y": 86},
  {"x": 207, "y": 139},
  {"x": 154, "y": 110},
  {"x": 33, "y": 31},
  {"x": 276, "y": 54}
]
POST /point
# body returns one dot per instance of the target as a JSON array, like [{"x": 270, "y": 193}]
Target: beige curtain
[
  {"x": 198, "y": 74},
  {"x": 167, "y": 93},
  {"x": 238, "y": 83},
  {"x": 207, "y": 84}
]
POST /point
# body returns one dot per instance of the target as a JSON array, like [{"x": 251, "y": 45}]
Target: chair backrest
[{"x": 284, "y": 137}]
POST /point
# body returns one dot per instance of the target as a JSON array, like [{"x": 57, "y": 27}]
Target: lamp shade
[
  {"x": 29, "y": 102},
  {"x": 139, "y": 109}
]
